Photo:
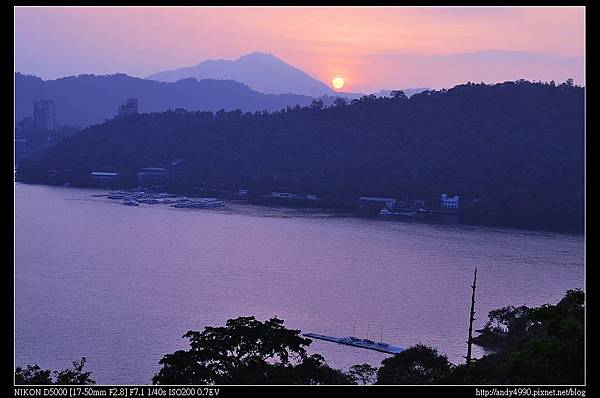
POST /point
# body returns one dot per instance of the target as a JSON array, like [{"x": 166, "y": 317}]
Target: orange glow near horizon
[{"x": 371, "y": 47}]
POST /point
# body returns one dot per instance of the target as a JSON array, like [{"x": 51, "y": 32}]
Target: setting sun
[{"x": 338, "y": 82}]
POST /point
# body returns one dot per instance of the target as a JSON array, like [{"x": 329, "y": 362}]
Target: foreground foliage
[
  {"x": 540, "y": 345},
  {"x": 417, "y": 365},
  {"x": 247, "y": 351},
  {"x": 33, "y": 374}
]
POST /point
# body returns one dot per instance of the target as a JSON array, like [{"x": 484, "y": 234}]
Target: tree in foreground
[
  {"x": 416, "y": 365},
  {"x": 363, "y": 374},
  {"x": 35, "y": 375},
  {"x": 540, "y": 345},
  {"x": 32, "y": 375},
  {"x": 247, "y": 351}
]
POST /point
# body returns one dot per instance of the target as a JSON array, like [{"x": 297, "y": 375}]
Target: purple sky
[{"x": 371, "y": 48}]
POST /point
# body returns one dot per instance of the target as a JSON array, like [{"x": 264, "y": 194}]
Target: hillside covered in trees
[
  {"x": 89, "y": 99},
  {"x": 516, "y": 148}
]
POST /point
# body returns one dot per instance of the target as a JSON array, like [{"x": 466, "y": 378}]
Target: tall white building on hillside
[{"x": 43, "y": 114}]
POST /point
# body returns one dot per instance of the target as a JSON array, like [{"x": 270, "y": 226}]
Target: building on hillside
[
  {"x": 447, "y": 202},
  {"x": 410, "y": 205},
  {"x": 104, "y": 178},
  {"x": 129, "y": 107},
  {"x": 153, "y": 176},
  {"x": 375, "y": 203},
  {"x": 44, "y": 117}
]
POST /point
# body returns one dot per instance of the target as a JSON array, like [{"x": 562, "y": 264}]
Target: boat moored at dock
[{"x": 138, "y": 196}]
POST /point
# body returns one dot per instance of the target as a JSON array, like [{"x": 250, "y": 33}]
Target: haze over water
[{"x": 121, "y": 285}]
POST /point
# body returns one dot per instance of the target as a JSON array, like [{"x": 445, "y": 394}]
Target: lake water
[{"x": 120, "y": 285}]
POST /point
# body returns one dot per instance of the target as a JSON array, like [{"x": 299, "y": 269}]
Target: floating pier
[{"x": 356, "y": 342}]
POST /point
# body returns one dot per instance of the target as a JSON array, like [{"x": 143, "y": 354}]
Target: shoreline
[{"x": 342, "y": 212}]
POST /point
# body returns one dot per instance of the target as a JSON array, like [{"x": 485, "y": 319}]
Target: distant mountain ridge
[
  {"x": 262, "y": 72},
  {"x": 89, "y": 99}
]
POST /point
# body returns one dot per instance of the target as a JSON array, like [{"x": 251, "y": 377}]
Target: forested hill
[
  {"x": 89, "y": 99},
  {"x": 515, "y": 146}
]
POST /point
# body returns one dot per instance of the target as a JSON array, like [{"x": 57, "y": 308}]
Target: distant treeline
[
  {"x": 542, "y": 345},
  {"x": 516, "y": 148}
]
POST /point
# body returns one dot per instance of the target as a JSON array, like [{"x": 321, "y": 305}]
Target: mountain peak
[
  {"x": 261, "y": 71},
  {"x": 258, "y": 55},
  {"x": 259, "y": 58}
]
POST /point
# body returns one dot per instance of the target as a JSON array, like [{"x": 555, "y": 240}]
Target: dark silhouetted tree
[
  {"x": 541, "y": 345},
  {"x": 75, "y": 376},
  {"x": 363, "y": 374},
  {"x": 398, "y": 95},
  {"x": 316, "y": 104},
  {"x": 416, "y": 365},
  {"x": 32, "y": 375},
  {"x": 247, "y": 351},
  {"x": 339, "y": 101},
  {"x": 35, "y": 375}
]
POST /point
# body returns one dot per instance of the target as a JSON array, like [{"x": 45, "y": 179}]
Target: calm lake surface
[{"x": 120, "y": 285}]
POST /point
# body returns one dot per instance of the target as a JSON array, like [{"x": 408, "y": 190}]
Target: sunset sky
[{"x": 371, "y": 48}]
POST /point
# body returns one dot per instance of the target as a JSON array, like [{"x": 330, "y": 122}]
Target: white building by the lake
[{"x": 448, "y": 202}]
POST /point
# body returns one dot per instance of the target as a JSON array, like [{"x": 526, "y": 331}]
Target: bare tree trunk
[{"x": 471, "y": 319}]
